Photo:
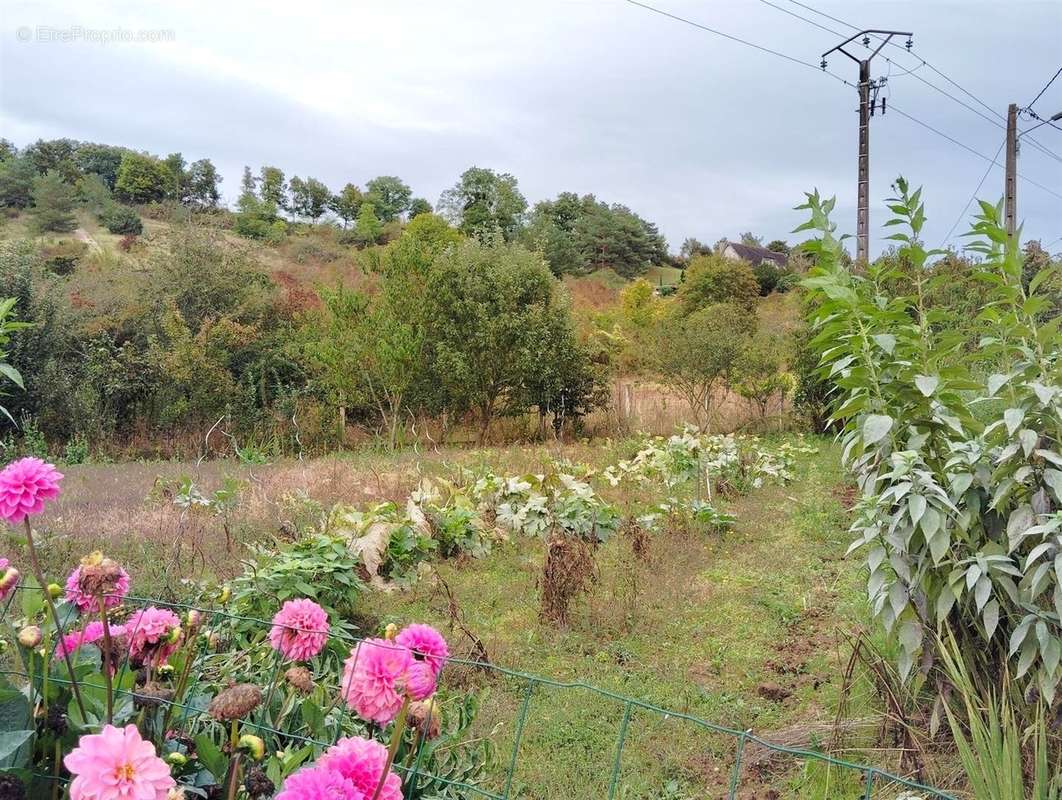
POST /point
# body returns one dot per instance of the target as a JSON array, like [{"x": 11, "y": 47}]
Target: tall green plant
[
  {"x": 961, "y": 515},
  {"x": 989, "y": 738}
]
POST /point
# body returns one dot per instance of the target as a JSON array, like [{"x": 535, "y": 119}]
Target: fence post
[
  {"x": 519, "y": 735},
  {"x": 619, "y": 751},
  {"x": 870, "y": 784},
  {"x": 735, "y": 774}
]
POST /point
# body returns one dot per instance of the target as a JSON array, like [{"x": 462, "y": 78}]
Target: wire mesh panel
[{"x": 515, "y": 735}]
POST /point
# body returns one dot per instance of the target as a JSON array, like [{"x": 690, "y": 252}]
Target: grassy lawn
[
  {"x": 663, "y": 275},
  {"x": 740, "y": 629}
]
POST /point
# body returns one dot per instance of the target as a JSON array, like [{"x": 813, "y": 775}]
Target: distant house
[{"x": 752, "y": 254}]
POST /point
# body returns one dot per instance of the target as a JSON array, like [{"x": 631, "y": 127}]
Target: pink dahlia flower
[
  {"x": 116, "y": 764},
  {"x": 8, "y": 578},
  {"x": 151, "y": 634},
  {"x": 374, "y": 679},
  {"x": 426, "y": 643},
  {"x": 24, "y": 487},
  {"x": 362, "y": 761},
  {"x": 90, "y": 634},
  {"x": 300, "y": 629},
  {"x": 85, "y": 602},
  {"x": 315, "y": 783}
]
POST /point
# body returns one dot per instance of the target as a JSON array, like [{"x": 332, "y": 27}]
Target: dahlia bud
[
  {"x": 176, "y": 759},
  {"x": 30, "y": 636},
  {"x": 235, "y": 702},
  {"x": 390, "y": 632},
  {"x": 165, "y": 671},
  {"x": 225, "y": 594},
  {"x": 54, "y": 590},
  {"x": 9, "y": 580},
  {"x": 174, "y": 635},
  {"x": 193, "y": 619},
  {"x": 213, "y": 640},
  {"x": 253, "y": 745}
]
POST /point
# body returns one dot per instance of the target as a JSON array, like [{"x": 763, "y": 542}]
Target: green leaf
[
  {"x": 875, "y": 428},
  {"x": 927, "y": 384},
  {"x": 886, "y": 341},
  {"x": 1012, "y": 417},
  {"x": 996, "y": 381},
  {"x": 211, "y": 757},
  {"x": 10, "y": 744},
  {"x": 1053, "y": 478}
]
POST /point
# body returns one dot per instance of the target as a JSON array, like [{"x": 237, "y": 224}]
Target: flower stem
[
  {"x": 396, "y": 739},
  {"x": 108, "y": 652},
  {"x": 38, "y": 573},
  {"x": 232, "y": 779}
]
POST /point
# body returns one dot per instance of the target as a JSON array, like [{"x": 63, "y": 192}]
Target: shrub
[
  {"x": 696, "y": 355},
  {"x": 960, "y": 514},
  {"x": 118, "y": 218},
  {"x": 62, "y": 257},
  {"x": 712, "y": 279}
]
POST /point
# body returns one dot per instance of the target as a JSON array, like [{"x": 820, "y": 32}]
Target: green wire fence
[{"x": 875, "y": 781}]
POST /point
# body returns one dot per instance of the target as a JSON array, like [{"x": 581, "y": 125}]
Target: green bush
[
  {"x": 118, "y": 218},
  {"x": 712, "y": 279}
]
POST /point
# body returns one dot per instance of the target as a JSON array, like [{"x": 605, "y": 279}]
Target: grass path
[{"x": 740, "y": 629}]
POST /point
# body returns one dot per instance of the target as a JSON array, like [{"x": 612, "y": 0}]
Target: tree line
[{"x": 576, "y": 234}]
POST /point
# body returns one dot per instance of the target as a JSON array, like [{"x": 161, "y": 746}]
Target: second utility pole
[
  {"x": 863, "y": 181},
  {"x": 1010, "y": 186}
]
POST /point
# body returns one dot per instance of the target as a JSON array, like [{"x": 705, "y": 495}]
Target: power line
[
  {"x": 732, "y": 38},
  {"x": 804, "y": 19},
  {"x": 1041, "y": 92},
  {"x": 817, "y": 68},
  {"x": 969, "y": 149},
  {"x": 923, "y": 62},
  {"x": 973, "y": 194}
]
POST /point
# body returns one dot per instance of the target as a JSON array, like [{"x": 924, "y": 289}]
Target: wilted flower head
[
  {"x": 96, "y": 576},
  {"x": 116, "y": 764},
  {"x": 300, "y": 678},
  {"x": 314, "y": 783},
  {"x": 151, "y": 634},
  {"x": 25, "y": 485},
  {"x": 426, "y": 717},
  {"x": 426, "y": 644},
  {"x": 374, "y": 679},
  {"x": 362, "y": 762},
  {"x": 300, "y": 629},
  {"x": 236, "y": 702},
  {"x": 8, "y": 578}
]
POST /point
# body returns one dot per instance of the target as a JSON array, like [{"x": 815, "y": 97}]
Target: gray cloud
[{"x": 703, "y": 136}]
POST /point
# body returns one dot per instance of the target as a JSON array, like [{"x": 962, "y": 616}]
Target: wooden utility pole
[
  {"x": 1010, "y": 186},
  {"x": 865, "y": 110}
]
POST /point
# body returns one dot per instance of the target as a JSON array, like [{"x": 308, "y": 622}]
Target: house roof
[{"x": 755, "y": 255}]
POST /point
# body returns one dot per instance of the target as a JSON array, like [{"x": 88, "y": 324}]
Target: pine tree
[{"x": 53, "y": 204}]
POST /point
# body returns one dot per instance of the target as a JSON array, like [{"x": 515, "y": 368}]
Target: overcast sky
[{"x": 703, "y": 136}]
